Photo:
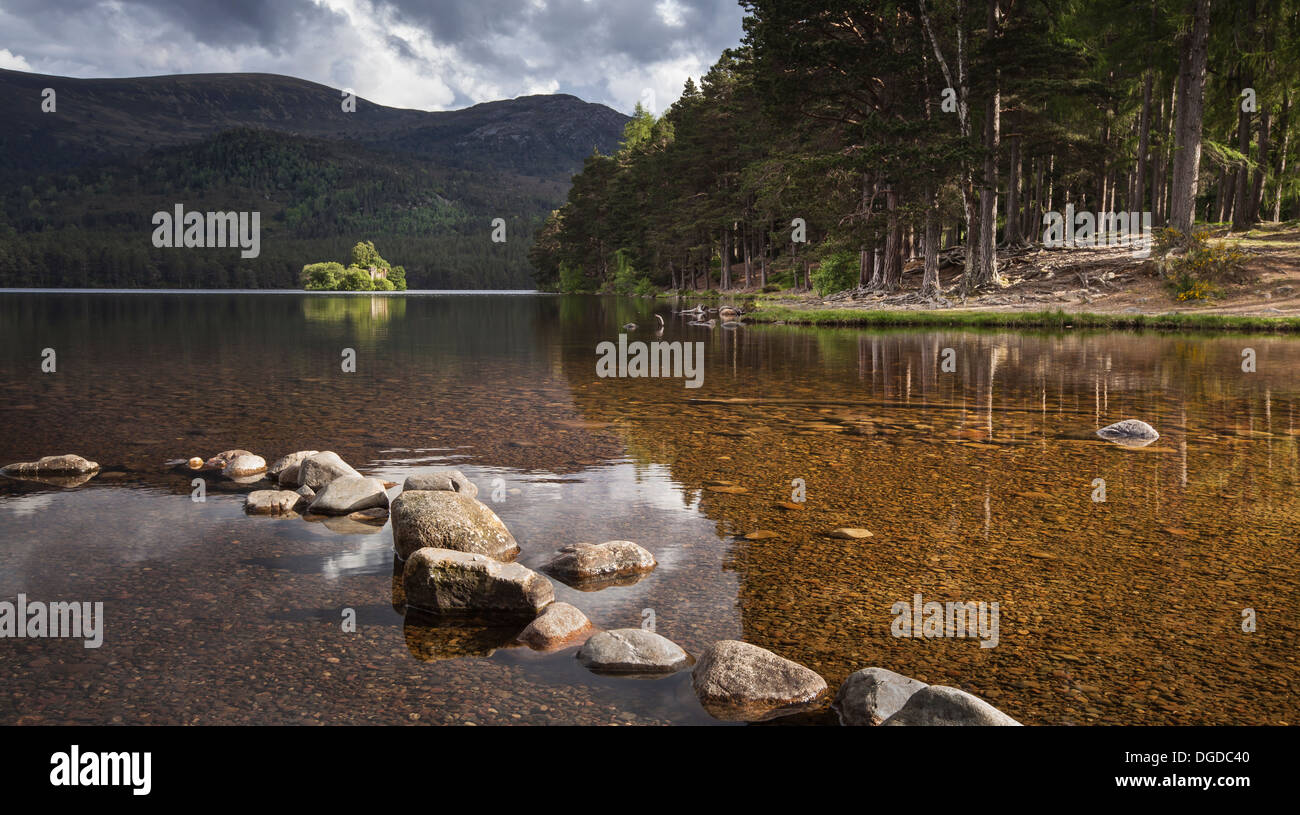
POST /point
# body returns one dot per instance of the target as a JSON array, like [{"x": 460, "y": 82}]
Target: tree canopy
[{"x": 882, "y": 137}]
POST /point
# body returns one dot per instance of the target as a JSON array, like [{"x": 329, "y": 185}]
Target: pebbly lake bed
[{"x": 975, "y": 469}]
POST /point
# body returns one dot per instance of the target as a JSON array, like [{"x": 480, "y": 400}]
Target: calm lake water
[{"x": 978, "y": 485}]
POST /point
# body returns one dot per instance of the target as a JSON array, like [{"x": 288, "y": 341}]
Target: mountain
[{"x": 81, "y": 183}]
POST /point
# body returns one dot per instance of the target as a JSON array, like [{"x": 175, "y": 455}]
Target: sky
[{"x": 429, "y": 54}]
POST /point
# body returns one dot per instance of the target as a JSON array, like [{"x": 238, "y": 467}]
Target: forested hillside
[
  {"x": 92, "y": 228},
  {"x": 880, "y": 132},
  {"x": 82, "y": 182}
]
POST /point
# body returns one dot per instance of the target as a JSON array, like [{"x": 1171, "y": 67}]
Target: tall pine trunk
[
  {"x": 986, "y": 272},
  {"x": 1281, "y": 164},
  {"x": 1144, "y": 149},
  {"x": 1013, "y": 196},
  {"x": 1187, "y": 131},
  {"x": 1241, "y": 177},
  {"x": 1261, "y": 172},
  {"x": 893, "y": 271},
  {"x": 930, "y": 277}
]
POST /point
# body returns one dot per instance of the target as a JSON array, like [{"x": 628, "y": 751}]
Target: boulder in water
[
  {"x": 449, "y": 520},
  {"x": 937, "y": 705},
  {"x": 1129, "y": 433},
  {"x": 736, "y": 681},
  {"x": 348, "y": 494},
  {"x": 442, "y": 581},
  {"x": 289, "y": 463},
  {"x": 318, "y": 470},
  {"x": 67, "y": 464},
  {"x": 272, "y": 502},
  {"x": 872, "y": 695},
  {"x": 632, "y": 651},
  {"x": 220, "y": 460},
  {"x": 244, "y": 465},
  {"x": 602, "y": 562},
  {"x": 558, "y": 625},
  {"x": 449, "y": 480}
]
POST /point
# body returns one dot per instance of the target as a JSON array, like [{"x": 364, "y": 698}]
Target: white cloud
[
  {"x": 12, "y": 61},
  {"x": 670, "y": 11}
]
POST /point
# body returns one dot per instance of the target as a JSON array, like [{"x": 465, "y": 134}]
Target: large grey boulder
[
  {"x": 1129, "y": 433},
  {"x": 272, "y": 502},
  {"x": 441, "y": 581},
  {"x": 559, "y": 625},
  {"x": 736, "y": 681},
  {"x": 289, "y": 463},
  {"x": 941, "y": 706},
  {"x": 449, "y": 520},
  {"x": 244, "y": 465},
  {"x": 632, "y": 651},
  {"x": 67, "y": 464},
  {"x": 448, "y": 480},
  {"x": 601, "y": 562},
  {"x": 348, "y": 494},
  {"x": 872, "y": 695},
  {"x": 318, "y": 470}
]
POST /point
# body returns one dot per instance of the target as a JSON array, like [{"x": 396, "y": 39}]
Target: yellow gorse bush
[{"x": 1196, "y": 273}]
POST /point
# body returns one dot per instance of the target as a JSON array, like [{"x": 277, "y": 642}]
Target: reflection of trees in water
[
  {"x": 1001, "y": 465},
  {"x": 364, "y": 313},
  {"x": 174, "y": 375}
]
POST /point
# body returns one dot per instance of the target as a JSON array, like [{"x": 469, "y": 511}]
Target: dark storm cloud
[
  {"x": 403, "y": 52},
  {"x": 229, "y": 22},
  {"x": 635, "y": 28}
]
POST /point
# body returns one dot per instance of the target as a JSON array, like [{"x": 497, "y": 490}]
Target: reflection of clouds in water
[
  {"x": 373, "y": 554},
  {"x": 619, "y": 501},
  {"x": 110, "y": 526},
  {"x": 24, "y": 505}
]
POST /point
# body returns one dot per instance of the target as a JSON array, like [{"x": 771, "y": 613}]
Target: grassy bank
[{"x": 1022, "y": 319}]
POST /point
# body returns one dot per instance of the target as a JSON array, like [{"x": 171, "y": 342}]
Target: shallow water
[{"x": 977, "y": 485}]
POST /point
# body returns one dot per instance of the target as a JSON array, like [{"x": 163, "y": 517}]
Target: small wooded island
[{"x": 367, "y": 272}]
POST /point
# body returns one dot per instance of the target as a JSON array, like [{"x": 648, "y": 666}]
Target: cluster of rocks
[
  {"x": 457, "y": 562},
  {"x": 310, "y": 482}
]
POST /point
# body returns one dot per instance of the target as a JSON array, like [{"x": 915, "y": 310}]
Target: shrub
[
  {"x": 355, "y": 279},
  {"x": 572, "y": 280},
  {"x": 1185, "y": 288},
  {"x": 781, "y": 280},
  {"x": 1197, "y": 272},
  {"x": 321, "y": 276},
  {"x": 624, "y": 279},
  {"x": 837, "y": 272}
]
